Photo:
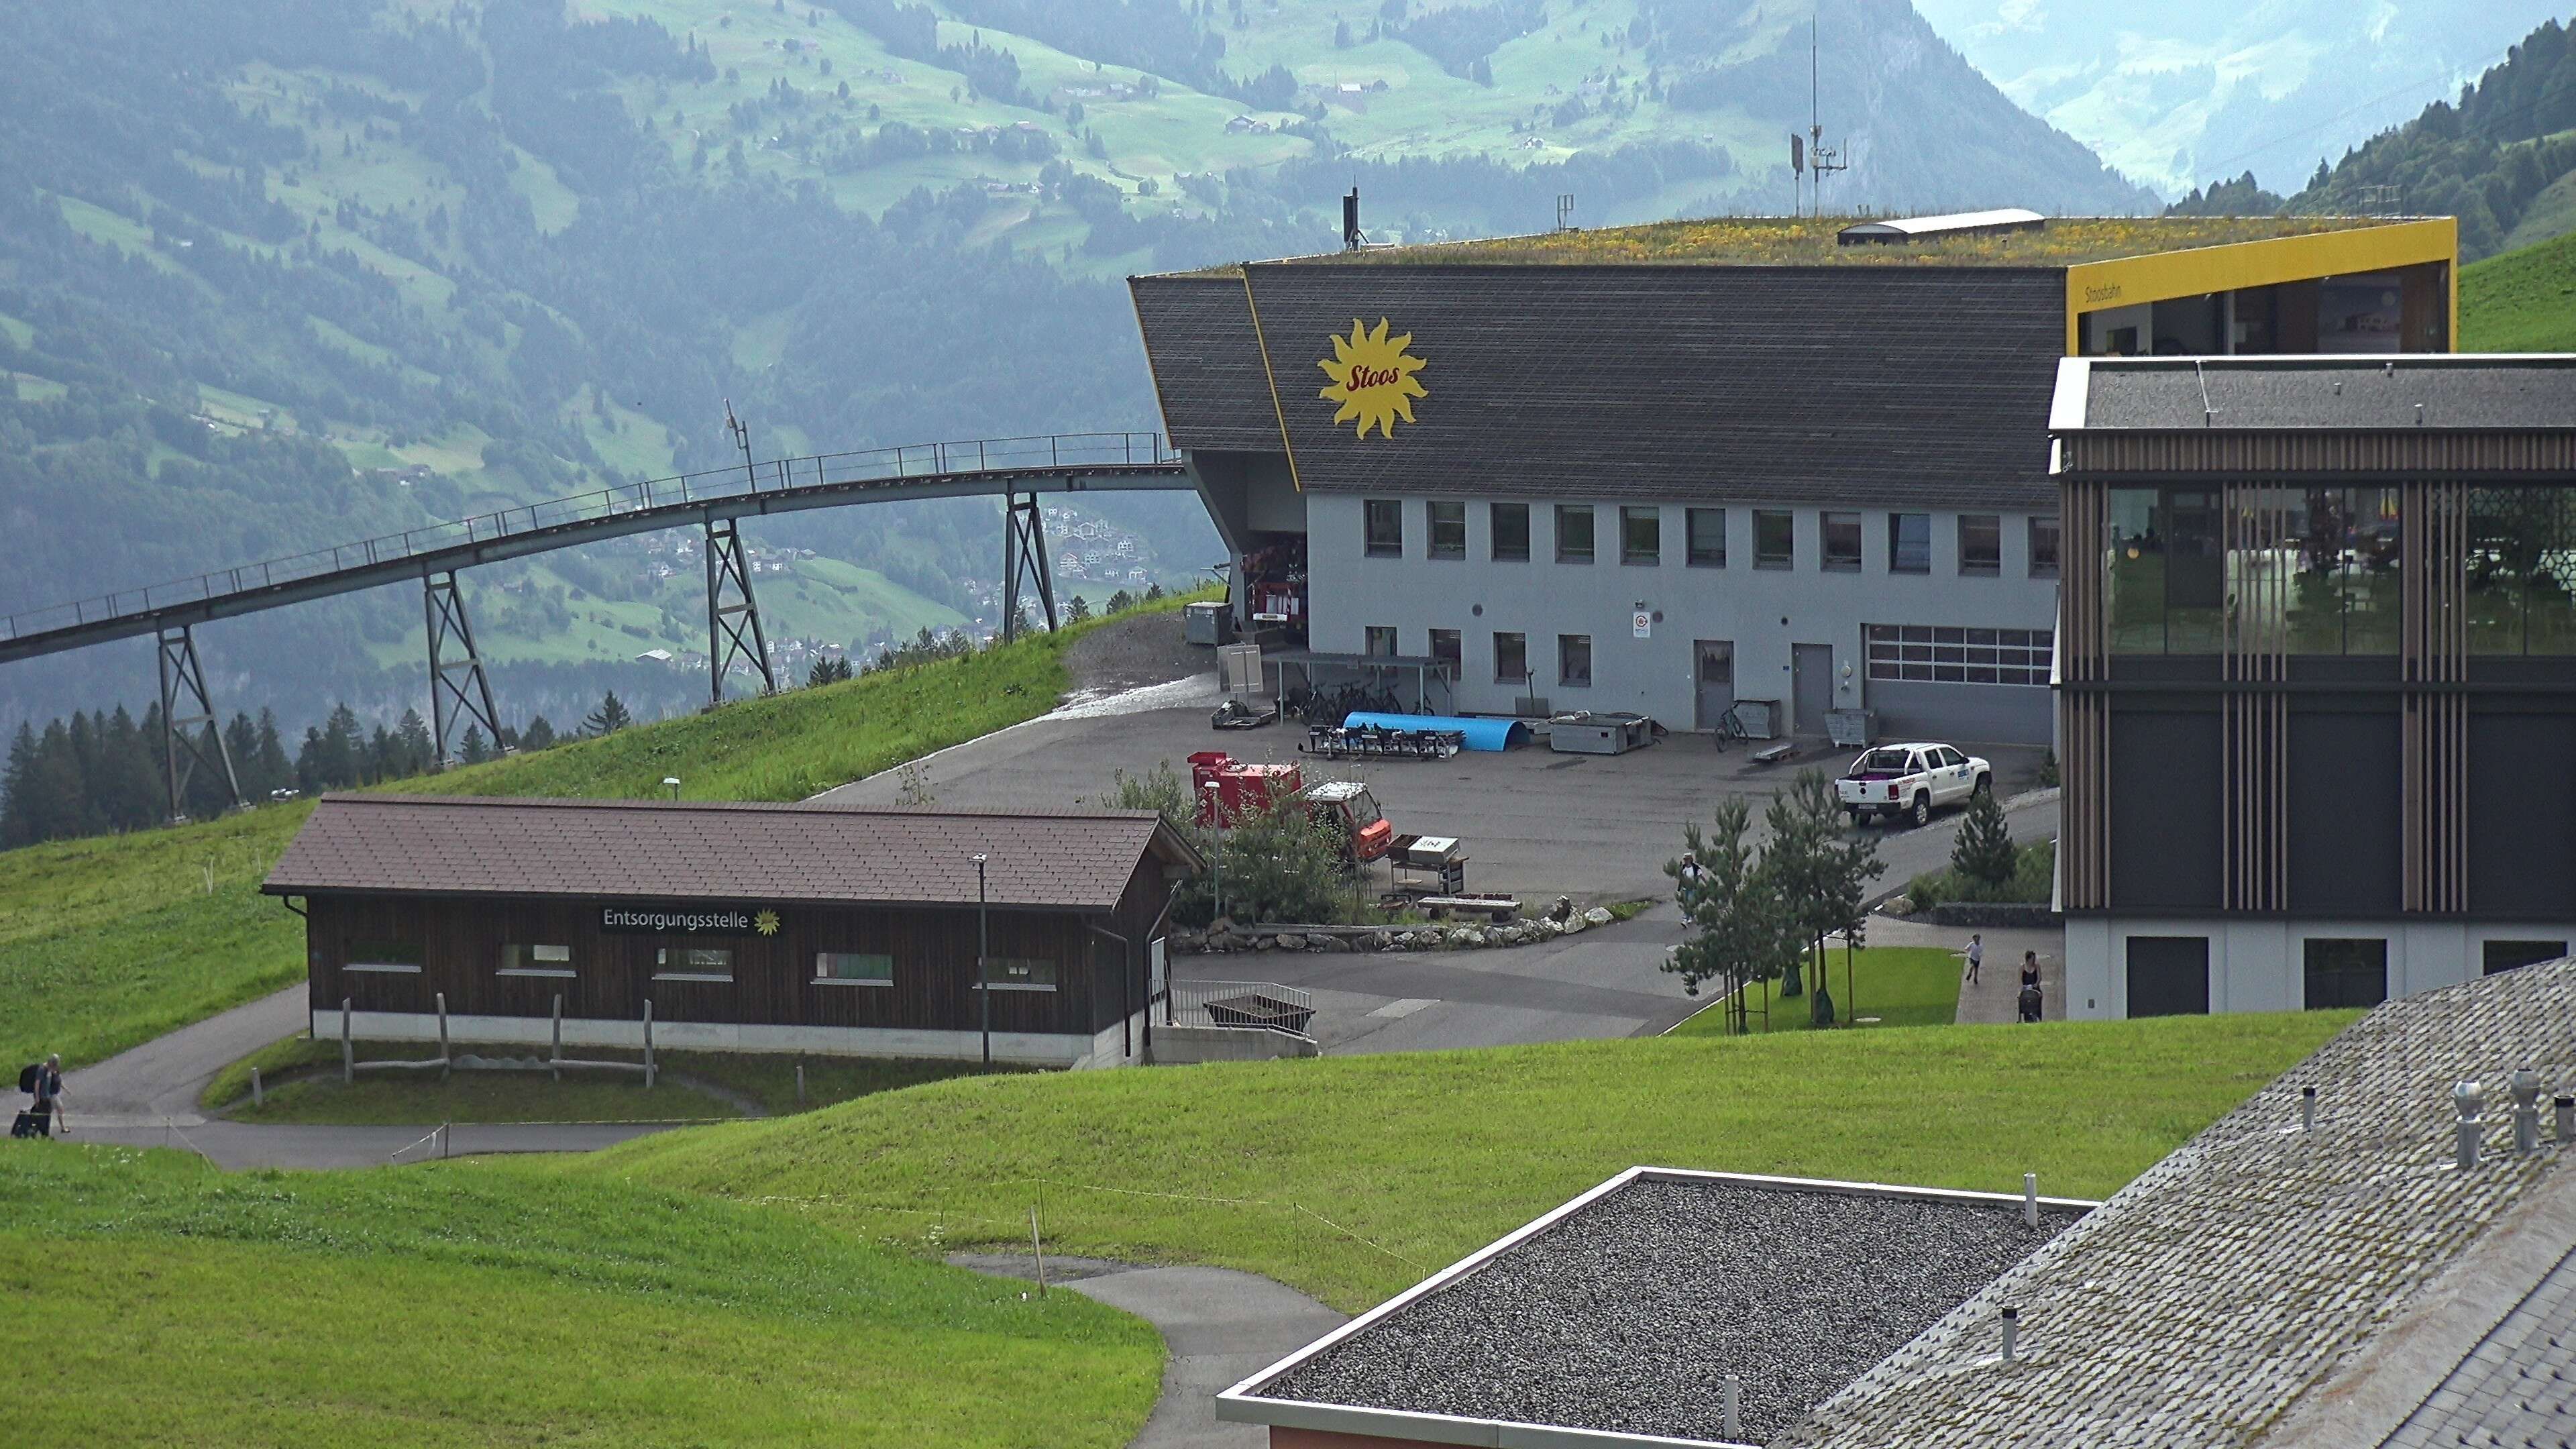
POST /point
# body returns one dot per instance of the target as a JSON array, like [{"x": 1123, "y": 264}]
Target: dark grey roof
[
  {"x": 698, "y": 850},
  {"x": 1625, "y": 1312},
  {"x": 2236, "y": 1278},
  {"x": 2335, "y": 393},
  {"x": 1871, "y": 386},
  {"x": 2517, "y": 1387}
]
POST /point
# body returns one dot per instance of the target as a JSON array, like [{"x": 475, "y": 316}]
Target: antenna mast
[{"x": 1819, "y": 159}]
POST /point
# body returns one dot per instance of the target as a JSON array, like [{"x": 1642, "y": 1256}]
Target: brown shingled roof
[{"x": 441, "y": 845}]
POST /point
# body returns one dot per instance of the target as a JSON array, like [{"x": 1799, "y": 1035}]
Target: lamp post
[
  {"x": 672, "y": 784},
  {"x": 1216, "y": 852},
  {"x": 983, "y": 950}
]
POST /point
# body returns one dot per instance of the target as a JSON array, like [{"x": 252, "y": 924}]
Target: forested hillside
[
  {"x": 282, "y": 273},
  {"x": 2499, "y": 158}
]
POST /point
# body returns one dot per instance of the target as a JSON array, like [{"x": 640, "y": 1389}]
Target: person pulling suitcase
[{"x": 44, "y": 1082}]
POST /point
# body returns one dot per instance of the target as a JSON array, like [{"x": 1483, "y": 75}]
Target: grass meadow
[
  {"x": 1352, "y": 1177},
  {"x": 1899, "y": 985},
  {"x": 2523, "y": 301},
  {"x": 470, "y": 1303}
]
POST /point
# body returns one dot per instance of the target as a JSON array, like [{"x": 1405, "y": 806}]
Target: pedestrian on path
[
  {"x": 1976, "y": 954},
  {"x": 2030, "y": 995},
  {"x": 45, "y": 1083}
]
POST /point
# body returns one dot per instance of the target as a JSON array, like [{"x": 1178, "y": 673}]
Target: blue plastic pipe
[{"x": 1481, "y": 734}]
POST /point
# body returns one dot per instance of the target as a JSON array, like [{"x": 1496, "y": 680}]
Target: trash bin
[
  {"x": 1851, "y": 729},
  {"x": 1758, "y": 718}
]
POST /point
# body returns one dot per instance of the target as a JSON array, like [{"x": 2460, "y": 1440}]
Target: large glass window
[
  {"x": 1510, "y": 524},
  {"x": 1706, "y": 528},
  {"x": 1775, "y": 540},
  {"x": 1981, "y": 544},
  {"x": 1909, "y": 543},
  {"x": 2350, "y": 972},
  {"x": 1378, "y": 640},
  {"x": 2501, "y": 956},
  {"x": 853, "y": 968},
  {"x": 2043, "y": 545},
  {"x": 1511, "y": 658},
  {"x": 1947, "y": 654},
  {"x": 553, "y": 961},
  {"x": 2307, "y": 571},
  {"x": 1574, "y": 533},
  {"x": 1574, "y": 660},
  {"x": 2522, "y": 571},
  {"x": 1445, "y": 646},
  {"x": 1385, "y": 521},
  {"x": 1842, "y": 542},
  {"x": 399, "y": 958},
  {"x": 1641, "y": 535},
  {"x": 1448, "y": 529}
]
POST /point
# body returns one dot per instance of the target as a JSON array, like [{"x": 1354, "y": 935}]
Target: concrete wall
[
  {"x": 1763, "y": 611},
  {"x": 2259, "y": 964},
  {"x": 1048, "y": 1049},
  {"x": 1184, "y": 1045}
]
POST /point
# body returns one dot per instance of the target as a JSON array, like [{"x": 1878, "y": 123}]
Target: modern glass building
[
  {"x": 1671, "y": 467},
  {"x": 2317, "y": 677}
]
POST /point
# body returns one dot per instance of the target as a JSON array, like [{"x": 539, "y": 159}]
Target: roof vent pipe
[
  {"x": 2307, "y": 1109},
  {"x": 2467, "y": 1098},
  {"x": 2419, "y": 415},
  {"x": 2030, "y": 1199},
  {"x": 2563, "y": 1117},
  {"x": 2012, "y": 1330},
  {"x": 2526, "y": 1110},
  {"x": 1734, "y": 1403}
]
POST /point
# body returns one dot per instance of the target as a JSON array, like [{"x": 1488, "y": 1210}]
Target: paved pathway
[
  {"x": 147, "y": 1097},
  {"x": 1996, "y": 994},
  {"x": 1221, "y": 1326}
]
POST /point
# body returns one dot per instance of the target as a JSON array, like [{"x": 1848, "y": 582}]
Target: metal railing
[
  {"x": 1240, "y": 1005},
  {"x": 781, "y": 475}
]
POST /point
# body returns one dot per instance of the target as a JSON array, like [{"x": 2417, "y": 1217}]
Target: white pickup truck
[{"x": 1910, "y": 780}]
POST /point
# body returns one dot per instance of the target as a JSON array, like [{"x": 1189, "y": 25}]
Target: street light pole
[
  {"x": 672, "y": 784},
  {"x": 983, "y": 952}
]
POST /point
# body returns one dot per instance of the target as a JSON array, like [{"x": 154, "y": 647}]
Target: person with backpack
[{"x": 44, "y": 1082}]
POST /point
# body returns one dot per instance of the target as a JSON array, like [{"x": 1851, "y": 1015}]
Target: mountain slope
[
  {"x": 2191, "y": 91},
  {"x": 2523, "y": 301}
]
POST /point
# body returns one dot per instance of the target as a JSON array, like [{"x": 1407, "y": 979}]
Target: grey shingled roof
[
  {"x": 2207, "y": 1297},
  {"x": 2331, "y": 393},
  {"x": 435, "y": 845},
  {"x": 2517, "y": 1387}
]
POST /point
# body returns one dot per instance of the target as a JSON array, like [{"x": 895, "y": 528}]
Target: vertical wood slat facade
[
  {"x": 2433, "y": 660},
  {"x": 2083, "y": 711}
]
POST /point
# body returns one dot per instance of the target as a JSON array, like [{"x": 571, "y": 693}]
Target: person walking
[
  {"x": 1976, "y": 954},
  {"x": 49, "y": 1096},
  {"x": 2030, "y": 995}
]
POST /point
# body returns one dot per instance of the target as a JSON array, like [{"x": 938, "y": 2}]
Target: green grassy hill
[
  {"x": 2523, "y": 301},
  {"x": 476, "y": 1304},
  {"x": 1351, "y": 1177}
]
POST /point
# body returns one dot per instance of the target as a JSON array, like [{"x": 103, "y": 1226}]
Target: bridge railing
[{"x": 779, "y": 475}]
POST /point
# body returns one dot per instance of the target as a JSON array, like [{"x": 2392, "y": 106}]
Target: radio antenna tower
[{"x": 1810, "y": 154}]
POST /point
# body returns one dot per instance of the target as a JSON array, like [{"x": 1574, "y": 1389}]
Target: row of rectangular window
[
  {"x": 713, "y": 964},
  {"x": 1939, "y": 653},
  {"x": 1641, "y": 537}
]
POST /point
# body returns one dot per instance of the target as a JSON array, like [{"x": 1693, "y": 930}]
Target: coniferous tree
[
  {"x": 472, "y": 748},
  {"x": 418, "y": 754},
  {"x": 269, "y": 763},
  {"x": 610, "y": 717},
  {"x": 539, "y": 735},
  {"x": 18, "y": 824},
  {"x": 1984, "y": 850}
]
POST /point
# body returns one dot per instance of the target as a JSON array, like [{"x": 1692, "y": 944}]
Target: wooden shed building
[{"x": 746, "y": 927}]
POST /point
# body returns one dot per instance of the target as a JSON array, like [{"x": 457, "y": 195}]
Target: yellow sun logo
[
  {"x": 766, "y": 923},
  {"x": 1373, "y": 378}
]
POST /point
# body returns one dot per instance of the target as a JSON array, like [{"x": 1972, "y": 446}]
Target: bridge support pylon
[
  {"x": 733, "y": 614},
  {"x": 1024, "y": 554},
  {"x": 197, "y": 737},
  {"x": 458, "y": 688}
]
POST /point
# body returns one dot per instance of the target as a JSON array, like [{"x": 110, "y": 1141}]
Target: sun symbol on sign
[
  {"x": 1373, "y": 378},
  {"x": 766, "y": 923}
]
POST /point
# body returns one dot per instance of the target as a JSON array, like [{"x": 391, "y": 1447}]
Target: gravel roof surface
[{"x": 1629, "y": 1315}]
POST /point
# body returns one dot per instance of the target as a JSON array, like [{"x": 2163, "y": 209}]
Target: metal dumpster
[
  {"x": 1607, "y": 733},
  {"x": 1851, "y": 729},
  {"x": 1208, "y": 623}
]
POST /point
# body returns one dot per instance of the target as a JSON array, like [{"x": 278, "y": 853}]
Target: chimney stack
[
  {"x": 2468, "y": 1099},
  {"x": 2012, "y": 1330},
  {"x": 2526, "y": 1111}
]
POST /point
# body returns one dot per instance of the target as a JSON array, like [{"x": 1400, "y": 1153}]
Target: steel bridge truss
[
  {"x": 196, "y": 738},
  {"x": 458, "y": 688},
  {"x": 733, "y": 614},
  {"x": 1024, "y": 555}
]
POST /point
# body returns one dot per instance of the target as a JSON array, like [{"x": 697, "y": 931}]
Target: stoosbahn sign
[{"x": 688, "y": 920}]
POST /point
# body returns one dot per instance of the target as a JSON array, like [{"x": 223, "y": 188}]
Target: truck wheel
[
  {"x": 1921, "y": 814},
  {"x": 1985, "y": 785}
]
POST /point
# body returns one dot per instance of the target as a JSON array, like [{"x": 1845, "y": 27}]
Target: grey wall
[{"x": 1350, "y": 591}]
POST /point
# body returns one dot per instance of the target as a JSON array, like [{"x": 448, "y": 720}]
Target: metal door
[
  {"x": 1714, "y": 667},
  {"x": 1811, "y": 685}
]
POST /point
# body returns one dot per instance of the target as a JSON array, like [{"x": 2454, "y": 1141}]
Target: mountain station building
[
  {"x": 738, "y": 927},
  {"x": 1669, "y": 468},
  {"x": 2318, "y": 677}
]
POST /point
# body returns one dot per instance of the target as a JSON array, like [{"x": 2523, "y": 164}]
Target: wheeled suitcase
[{"x": 25, "y": 1126}]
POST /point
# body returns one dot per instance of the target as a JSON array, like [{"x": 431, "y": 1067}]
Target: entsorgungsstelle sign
[{"x": 658, "y": 919}]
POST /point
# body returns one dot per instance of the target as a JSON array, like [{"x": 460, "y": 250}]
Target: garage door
[{"x": 2168, "y": 975}]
